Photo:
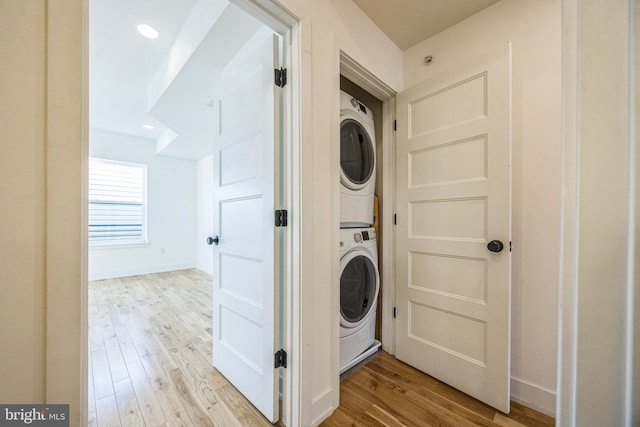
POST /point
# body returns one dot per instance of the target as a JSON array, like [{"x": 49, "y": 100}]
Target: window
[{"x": 117, "y": 202}]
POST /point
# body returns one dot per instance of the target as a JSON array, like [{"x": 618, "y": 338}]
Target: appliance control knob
[{"x": 357, "y": 237}]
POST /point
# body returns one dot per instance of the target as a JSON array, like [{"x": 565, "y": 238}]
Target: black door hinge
[
  {"x": 395, "y": 125},
  {"x": 510, "y": 247},
  {"x": 281, "y": 218},
  {"x": 394, "y": 312},
  {"x": 395, "y": 219},
  {"x": 280, "y": 359},
  {"x": 280, "y": 77}
]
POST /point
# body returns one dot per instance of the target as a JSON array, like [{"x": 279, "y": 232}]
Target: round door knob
[
  {"x": 213, "y": 240},
  {"x": 495, "y": 246}
]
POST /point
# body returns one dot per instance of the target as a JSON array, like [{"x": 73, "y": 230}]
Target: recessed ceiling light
[
  {"x": 148, "y": 126},
  {"x": 147, "y": 31}
]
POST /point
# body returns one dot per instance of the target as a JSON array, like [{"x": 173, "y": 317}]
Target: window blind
[{"x": 116, "y": 202}]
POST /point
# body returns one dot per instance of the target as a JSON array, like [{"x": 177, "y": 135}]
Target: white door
[
  {"x": 244, "y": 295},
  {"x": 453, "y": 198}
]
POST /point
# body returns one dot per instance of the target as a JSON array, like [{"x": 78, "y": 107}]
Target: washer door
[
  {"x": 357, "y": 155},
  {"x": 359, "y": 284}
]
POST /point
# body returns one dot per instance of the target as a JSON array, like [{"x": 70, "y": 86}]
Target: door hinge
[
  {"x": 394, "y": 312},
  {"x": 395, "y": 125},
  {"x": 280, "y": 359},
  {"x": 280, "y": 77},
  {"x": 510, "y": 247},
  {"x": 395, "y": 219},
  {"x": 281, "y": 218}
]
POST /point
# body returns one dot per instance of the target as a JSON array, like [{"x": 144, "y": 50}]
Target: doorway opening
[
  {"x": 156, "y": 102},
  {"x": 359, "y": 82}
]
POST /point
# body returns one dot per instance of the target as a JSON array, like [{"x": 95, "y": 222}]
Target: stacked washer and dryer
[{"x": 359, "y": 275}]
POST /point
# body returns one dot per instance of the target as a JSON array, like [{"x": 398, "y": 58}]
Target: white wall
[
  {"x": 204, "y": 212},
  {"x": 171, "y": 210},
  {"x": 534, "y": 29},
  {"x": 23, "y": 211}
]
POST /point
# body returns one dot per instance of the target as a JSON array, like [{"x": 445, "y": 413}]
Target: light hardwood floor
[
  {"x": 150, "y": 352},
  {"x": 149, "y": 365},
  {"x": 386, "y": 391}
]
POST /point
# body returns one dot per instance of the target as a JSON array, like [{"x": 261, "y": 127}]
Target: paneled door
[
  {"x": 244, "y": 295},
  {"x": 454, "y": 227}
]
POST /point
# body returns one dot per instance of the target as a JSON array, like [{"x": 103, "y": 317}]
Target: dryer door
[
  {"x": 359, "y": 285},
  {"x": 357, "y": 155}
]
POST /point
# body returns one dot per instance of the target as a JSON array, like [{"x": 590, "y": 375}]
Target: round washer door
[
  {"x": 357, "y": 155},
  {"x": 359, "y": 285}
]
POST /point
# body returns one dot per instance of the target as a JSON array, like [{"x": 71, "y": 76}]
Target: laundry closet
[{"x": 360, "y": 279}]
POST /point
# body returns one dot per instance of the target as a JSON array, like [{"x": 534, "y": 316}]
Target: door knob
[
  {"x": 495, "y": 246},
  {"x": 213, "y": 240}
]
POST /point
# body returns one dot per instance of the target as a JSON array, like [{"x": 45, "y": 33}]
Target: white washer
[
  {"x": 359, "y": 288},
  {"x": 357, "y": 163}
]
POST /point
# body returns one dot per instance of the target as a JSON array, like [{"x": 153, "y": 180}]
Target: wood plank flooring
[
  {"x": 386, "y": 391},
  {"x": 150, "y": 351}
]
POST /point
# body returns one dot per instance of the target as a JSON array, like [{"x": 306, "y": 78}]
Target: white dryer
[
  {"x": 359, "y": 288},
  {"x": 357, "y": 163}
]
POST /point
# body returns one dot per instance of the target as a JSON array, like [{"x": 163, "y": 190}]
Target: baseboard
[
  {"x": 204, "y": 267},
  {"x": 138, "y": 271},
  {"x": 321, "y": 407},
  {"x": 533, "y": 396}
]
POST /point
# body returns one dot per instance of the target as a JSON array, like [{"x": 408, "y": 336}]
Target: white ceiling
[
  {"x": 408, "y": 22},
  {"x": 124, "y": 64},
  {"x": 164, "y": 82}
]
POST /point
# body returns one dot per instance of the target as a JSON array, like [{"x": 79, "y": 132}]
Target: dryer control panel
[{"x": 350, "y": 237}]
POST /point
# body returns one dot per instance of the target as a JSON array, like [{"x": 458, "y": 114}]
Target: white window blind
[{"x": 117, "y": 211}]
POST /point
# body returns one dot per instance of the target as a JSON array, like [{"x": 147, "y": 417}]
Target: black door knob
[
  {"x": 213, "y": 240},
  {"x": 495, "y": 246}
]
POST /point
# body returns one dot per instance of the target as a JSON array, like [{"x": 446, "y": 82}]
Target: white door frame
[{"x": 600, "y": 216}]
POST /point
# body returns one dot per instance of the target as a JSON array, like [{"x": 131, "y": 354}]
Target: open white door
[
  {"x": 453, "y": 199},
  {"x": 244, "y": 295}
]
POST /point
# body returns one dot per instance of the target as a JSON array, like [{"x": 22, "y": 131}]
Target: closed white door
[
  {"x": 453, "y": 199},
  {"x": 244, "y": 295}
]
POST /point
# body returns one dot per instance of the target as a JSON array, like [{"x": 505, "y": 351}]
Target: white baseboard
[
  {"x": 533, "y": 396},
  {"x": 322, "y": 407},
  {"x": 138, "y": 271},
  {"x": 204, "y": 267}
]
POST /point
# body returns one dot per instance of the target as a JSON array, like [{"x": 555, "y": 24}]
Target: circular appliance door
[
  {"x": 359, "y": 283},
  {"x": 357, "y": 155}
]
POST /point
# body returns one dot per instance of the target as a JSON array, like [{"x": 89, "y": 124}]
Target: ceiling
[
  {"x": 123, "y": 62},
  {"x": 408, "y": 22},
  {"x": 165, "y": 82}
]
